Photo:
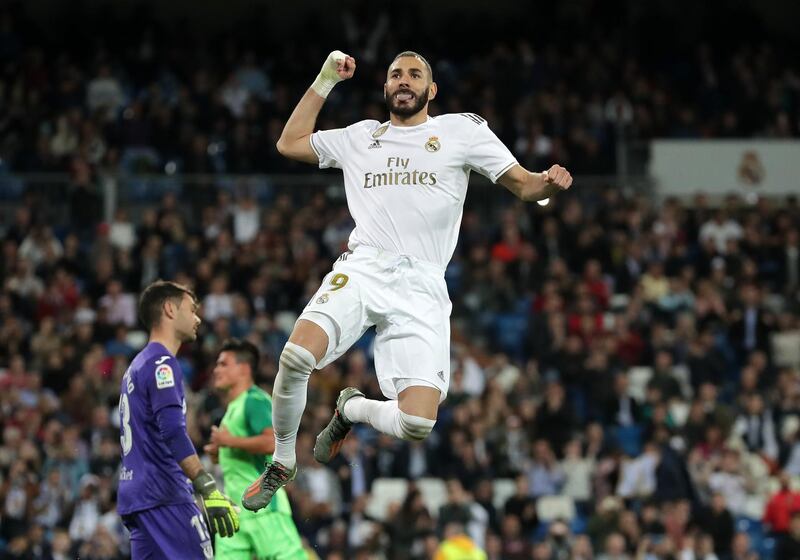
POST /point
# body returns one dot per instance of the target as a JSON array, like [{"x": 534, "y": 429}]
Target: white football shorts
[{"x": 405, "y": 298}]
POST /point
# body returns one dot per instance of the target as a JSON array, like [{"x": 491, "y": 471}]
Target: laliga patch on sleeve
[{"x": 164, "y": 377}]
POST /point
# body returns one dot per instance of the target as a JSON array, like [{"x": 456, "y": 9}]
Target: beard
[{"x": 409, "y": 110}]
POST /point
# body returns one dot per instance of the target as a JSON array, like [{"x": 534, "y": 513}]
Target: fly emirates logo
[{"x": 398, "y": 174}]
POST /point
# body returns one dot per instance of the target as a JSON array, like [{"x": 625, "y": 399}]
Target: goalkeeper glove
[
  {"x": 221, "y": 516},
  {"x": 328, "y": 77}
]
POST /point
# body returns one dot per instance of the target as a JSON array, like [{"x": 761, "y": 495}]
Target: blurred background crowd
[
  {"x": 626, "y": 371},
  {"x": 139, "y": 97}
]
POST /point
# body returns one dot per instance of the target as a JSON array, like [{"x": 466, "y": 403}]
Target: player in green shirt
[{"x": 242, "y": 443}]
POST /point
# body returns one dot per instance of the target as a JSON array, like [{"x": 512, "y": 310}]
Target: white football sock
[
  {"x": 289, "y": 400},
  {"x": 386, "y": 417}
]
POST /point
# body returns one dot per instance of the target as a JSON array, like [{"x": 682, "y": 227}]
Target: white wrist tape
[{"x": 328, "y": 77}]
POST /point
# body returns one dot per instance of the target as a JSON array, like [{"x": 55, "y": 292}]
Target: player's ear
[
  {"x": 433, "y": 89},
  {"x": 169, "y": 309}
]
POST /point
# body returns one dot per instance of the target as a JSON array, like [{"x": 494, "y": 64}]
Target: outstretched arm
[
  {"x": 529, "y": 186},
  {"x": 295, "y": 140}
]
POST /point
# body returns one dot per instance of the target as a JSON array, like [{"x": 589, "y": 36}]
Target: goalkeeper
[
  {"x": 241, "y": 445},
  {"x": 154, "y": 497}
]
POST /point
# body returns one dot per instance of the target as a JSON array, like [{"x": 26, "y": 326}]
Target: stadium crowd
[
  {"x": 143, "y": 99},
  {"x": 639, "y": 360}
]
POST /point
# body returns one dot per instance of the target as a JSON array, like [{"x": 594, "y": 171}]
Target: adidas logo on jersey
[{"x": 374, "y": 145}]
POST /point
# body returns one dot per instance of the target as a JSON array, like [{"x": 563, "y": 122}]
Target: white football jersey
[{"x": 406, "y": 185}]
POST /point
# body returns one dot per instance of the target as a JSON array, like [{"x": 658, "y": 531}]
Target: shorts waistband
[{"x": 384, "y": 255}]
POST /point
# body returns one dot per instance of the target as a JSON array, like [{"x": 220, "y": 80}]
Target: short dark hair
[
  {"x": 151, "y": 302},
  {"x": 419, "y": 56},
  {"x": 244, "y": 350}
]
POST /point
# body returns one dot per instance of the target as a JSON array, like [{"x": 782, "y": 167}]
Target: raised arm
[
  {"x": 530, "y": 186},
  {"x": 295, "y": 140}
]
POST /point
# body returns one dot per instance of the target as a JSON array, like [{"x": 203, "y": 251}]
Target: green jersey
[{"x": 249, "y": 414}]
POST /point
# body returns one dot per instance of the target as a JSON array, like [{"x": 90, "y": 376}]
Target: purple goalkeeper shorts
[{"x": 169, "y": 532}]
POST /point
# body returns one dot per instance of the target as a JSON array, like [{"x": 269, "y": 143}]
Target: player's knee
[
  {"x": 415, "y": 428},
  {"x": 296, "y": 361}
]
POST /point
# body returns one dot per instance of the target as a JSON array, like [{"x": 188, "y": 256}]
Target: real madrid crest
[
  {"x": 378, "y": 133},
  {"x": 322, "y": 299},
  {"x": 433, "y": 145}
]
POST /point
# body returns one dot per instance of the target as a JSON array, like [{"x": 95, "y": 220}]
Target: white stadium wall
[{"x": 721, "y": 167}]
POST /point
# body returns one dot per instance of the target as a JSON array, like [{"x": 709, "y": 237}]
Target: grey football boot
[{"x": 330, "y": 440}]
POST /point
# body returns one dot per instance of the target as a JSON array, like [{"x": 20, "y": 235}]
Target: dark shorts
[{"x": 169, "y": 532}]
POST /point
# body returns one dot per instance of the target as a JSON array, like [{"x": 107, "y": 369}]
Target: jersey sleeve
[
  {"x": 487, "y": 155},
  {"x": 258, "y": 413},
  {"x": 330, "y": 147},
  {"x": 165, "y": 381}
]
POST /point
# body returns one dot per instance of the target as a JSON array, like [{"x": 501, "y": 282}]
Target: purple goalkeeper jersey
[{"x": 150, "y": 475}]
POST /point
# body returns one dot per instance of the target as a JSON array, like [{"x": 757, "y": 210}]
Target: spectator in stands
[
  {"x": 614, "y": 548},
  {"x": 741, "y": 548},
  {"x": 515, "y": 546},
  {"x": 781, "y": 507},
  {"x": 716, "y": 520},
  {"x": 719, "y": 231},
  {"x": 789, "y": 546},
  {"x": 545, "y": 477},
  {"x": 757, "y": 428},
  {"x": 622, "y": 409},
  {"x": 458, "y": 546}
]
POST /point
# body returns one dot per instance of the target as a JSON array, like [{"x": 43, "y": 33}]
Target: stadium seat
[
  {"x": 629, "y": 438},
  {"x": 579, "y": 524},
  {"x": 503, "y": 489},
  {"x": 384, "y": 492},
  {"x": 786, "y": 348},
  {"x": 11, "y": 188},
  {"x": 285, "y": 321},
  {"x": 767, "y": 549},
  {"x": 754, "y": 506},
  {"x": 509, "y": 332},
  {"x": 754, "y": 529},
  {"x": 638, "y": 378},
  {"x": 679, "y": 410},
  {"x": 433, "y": 491},
  {"x": 550, "y": 508},
  {"x": 619, "y": 301},
  {"x": 681, "y": 375},
  {"x": 136, "y": 339},
  {"x": 774, "y": 485},
  {"x": 540, "y": 532}
]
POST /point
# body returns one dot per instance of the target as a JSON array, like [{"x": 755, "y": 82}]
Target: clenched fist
[
  {"x": 346, "y": 66},
  {"x": 337, "y": 67},
  {"x": 558, "y": 176}
]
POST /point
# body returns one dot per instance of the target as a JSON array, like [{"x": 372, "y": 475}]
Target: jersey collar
[{"x": 414, "y": 127}]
